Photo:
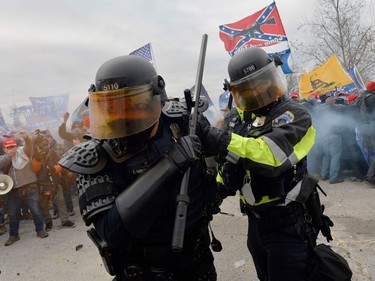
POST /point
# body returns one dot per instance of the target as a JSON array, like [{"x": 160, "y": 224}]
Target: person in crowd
[
  {"x": 25, "y": 211},
  {"x": 17, "y": 164},
  {"x": 331, "y": 135},
  {"x": 294, "y": 96},
  {"x": 314, "y": 97},
  {"x": 48, "y": 174},
  {"x": 315, "y": 155},
  {"x": 3, "y": 210},
  {"x": 57, "y": 147},
  {"x": 352, "y": 98},
  {"x": 76, "y": 135},
  {"x": 78, "y": 130},
  {"x": 3, "y": 228},
  {"x": 263, "y": 155},
  {"x": 341, "y": 98},
  {"x": 128, "y": 189},
  {"x": 352, "y": 158},
  {"x": 367, "y": 110},
  {"x": 86, "y": 124},
  {"x": 67, "y": 179}
]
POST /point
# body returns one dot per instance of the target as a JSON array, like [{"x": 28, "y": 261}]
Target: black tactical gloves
[
  {"x": 232, "y": 176},
  {"x": 326, "y": 226},
  {"x": 214, "y": 141},
  {"x": 186, "y": 152}
]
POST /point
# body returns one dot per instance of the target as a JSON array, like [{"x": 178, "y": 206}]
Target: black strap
[{"x": 95, "y": 192}]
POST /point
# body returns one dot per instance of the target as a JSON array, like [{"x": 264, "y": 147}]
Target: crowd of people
[
  {"x": 37, "y": 187},
  {"x": 344, "y": 146}
]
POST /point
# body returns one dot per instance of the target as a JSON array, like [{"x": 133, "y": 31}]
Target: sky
[{"x": 55, "y": 47}]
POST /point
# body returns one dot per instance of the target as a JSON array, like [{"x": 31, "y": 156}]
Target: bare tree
[{"x": 336, "y": 28}]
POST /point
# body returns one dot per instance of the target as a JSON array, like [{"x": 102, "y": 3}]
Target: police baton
[{"x": 183, "y": 198}]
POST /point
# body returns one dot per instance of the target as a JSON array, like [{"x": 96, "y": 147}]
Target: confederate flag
[{"x": 262, "y": 29}]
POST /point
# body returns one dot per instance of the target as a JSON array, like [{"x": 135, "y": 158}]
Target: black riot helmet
[
  {"x": 126, "y": 98},
  {"x": 256, "y": 81}
]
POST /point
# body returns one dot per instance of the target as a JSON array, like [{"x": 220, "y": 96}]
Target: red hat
[
  {"x": 342, "y": 94},
  {"x": 9, "y": 142},
  {"x": 371, "y": 86},
  {"x": 314, "y": 96},
  {"x": 294, "y": 94},
  {"x": 86, "y": 121},
  {"x": 352, "y": 97}
]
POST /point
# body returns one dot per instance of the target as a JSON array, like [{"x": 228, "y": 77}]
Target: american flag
[{"x": 144, "y": 52}]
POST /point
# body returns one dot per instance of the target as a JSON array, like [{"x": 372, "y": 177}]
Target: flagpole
[
  {"x": 359, "y": 76},
  {"x": 287, "y": 42},
  {"x": 153, "y": 57}
]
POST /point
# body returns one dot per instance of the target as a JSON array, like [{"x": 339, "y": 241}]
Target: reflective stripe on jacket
[
  {"x": 269, "y": 150},
  {"x": 281, "y": 146}
]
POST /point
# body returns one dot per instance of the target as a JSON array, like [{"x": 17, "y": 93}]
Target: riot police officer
[
  {"x": 263, "y": 148},
  {"x": 129, "y": 175}
]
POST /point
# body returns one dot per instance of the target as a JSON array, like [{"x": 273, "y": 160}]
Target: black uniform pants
[
  {"x": 279, "y": 245},
  {"x": 194, "y": 263}
]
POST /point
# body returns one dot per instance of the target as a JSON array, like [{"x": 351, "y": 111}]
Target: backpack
[{"x": 329, "y": 265}]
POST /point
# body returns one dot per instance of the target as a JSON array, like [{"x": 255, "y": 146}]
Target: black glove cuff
[
  {"x": 217, "y": 141},
  {"x": 225, "y": 140},
  {"x": 178, "y": 159}
]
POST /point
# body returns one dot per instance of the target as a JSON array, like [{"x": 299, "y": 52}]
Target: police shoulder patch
[{"x": 285, "y": 118}]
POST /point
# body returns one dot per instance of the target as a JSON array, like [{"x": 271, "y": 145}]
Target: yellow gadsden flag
[{"x": 324, "y": 78}]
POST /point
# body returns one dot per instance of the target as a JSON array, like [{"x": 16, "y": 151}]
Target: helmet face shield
[
  {"x": 123, "y": 112},
  {"x": 258, "y": 89}
]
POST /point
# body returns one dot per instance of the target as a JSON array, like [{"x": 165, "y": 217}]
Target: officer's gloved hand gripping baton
[{"x": 183, "y": 198}]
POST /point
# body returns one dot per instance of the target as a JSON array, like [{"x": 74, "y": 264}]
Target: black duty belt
[{"x": 279, "y": 216}]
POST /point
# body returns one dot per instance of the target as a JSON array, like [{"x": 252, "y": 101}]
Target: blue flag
[{"x": 284, "y": 56}]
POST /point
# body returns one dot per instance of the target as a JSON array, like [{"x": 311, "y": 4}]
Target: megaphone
[{"x": 6, "y": 184}]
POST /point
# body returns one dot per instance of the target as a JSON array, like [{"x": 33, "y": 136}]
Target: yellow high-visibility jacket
[{"x": 270, "y": 148}]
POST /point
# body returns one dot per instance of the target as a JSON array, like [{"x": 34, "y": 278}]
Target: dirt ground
[{"x": 69, "y": 255}]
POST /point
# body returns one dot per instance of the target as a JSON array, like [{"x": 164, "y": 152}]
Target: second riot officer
[{"x": 263, "y": 148}]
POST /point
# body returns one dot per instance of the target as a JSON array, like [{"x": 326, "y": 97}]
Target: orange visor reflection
[
  {"x": 259, "y": 89},
  {"x": 123, "y": 112}
]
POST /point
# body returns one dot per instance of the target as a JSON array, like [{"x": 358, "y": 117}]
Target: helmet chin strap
[
  {"x": 135, "y": 141},
  {"x": 264, "y": 110}
]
